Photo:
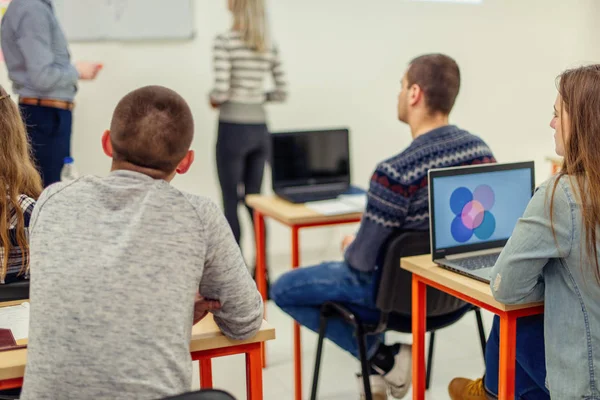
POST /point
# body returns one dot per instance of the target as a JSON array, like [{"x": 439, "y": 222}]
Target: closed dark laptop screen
[{"x": 307, "y": 158}]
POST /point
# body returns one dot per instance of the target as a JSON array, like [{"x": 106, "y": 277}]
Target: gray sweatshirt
[{"x": 115, "y": 264}]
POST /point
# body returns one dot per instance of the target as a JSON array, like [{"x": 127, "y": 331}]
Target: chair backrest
[
  {"x": 208, "y": 394},
  {"x": 394, "y": 284},
  {"x": 14, "y": 291}
]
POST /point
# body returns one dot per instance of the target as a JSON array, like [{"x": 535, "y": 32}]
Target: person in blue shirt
[
  {"x": 39, "y": 66},
  {"x": 397, "y": 201}
]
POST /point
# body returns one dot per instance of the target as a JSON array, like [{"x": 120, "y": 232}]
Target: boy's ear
[
  {"x": 106, "y": 144},
  {"x": 186, "y": 163}
]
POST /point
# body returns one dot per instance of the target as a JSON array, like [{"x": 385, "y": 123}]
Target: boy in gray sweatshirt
[{"x": 117, "y": 263}]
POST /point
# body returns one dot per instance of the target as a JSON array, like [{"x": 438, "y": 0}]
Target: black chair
[
  {"x": 203, "y": 395},
  {"x": 12, "y": 394},
  {"x": 208, "y": 394},
  {"x": 392, "y": 288},
  {"x": 14, "y": 291}
]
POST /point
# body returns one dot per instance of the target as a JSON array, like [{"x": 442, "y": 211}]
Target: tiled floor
[{"x": 457, "y": 353}]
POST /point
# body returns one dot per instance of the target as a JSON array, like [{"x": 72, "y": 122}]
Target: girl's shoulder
[{"x": 562, "y": 191}]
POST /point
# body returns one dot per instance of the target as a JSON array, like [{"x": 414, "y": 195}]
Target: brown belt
[{"x": 60, "y": 104}]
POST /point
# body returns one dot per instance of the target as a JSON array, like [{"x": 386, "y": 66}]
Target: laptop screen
[
  {"x": 311, "y": 157},
  {"x": 477, "y": 208}
]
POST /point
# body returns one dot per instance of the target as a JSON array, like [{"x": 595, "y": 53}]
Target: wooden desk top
[
  {"x": 206, "y": 335},
  {"x": 425, "y": 267},
  {"x": 12, "y": 363},
  {"x": 292, "y": 214}
]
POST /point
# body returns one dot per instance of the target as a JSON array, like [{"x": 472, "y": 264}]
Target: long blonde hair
[
  {"x": 579, "y": 89},
  {"x": 18, "y": 176},
  {"x": 249, "y": 17}
]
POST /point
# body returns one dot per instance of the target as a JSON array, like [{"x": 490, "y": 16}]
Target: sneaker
[
  {"x": 378, "y": 387},
  {"x": 466, "y": 389},
  {"x": 399, "y": 378}
]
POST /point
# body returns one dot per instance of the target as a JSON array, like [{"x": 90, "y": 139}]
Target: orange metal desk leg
[
  {"x": 419, "y": 310},
  {"x": 254, "y": 383},
  {"x": 508, "y": 343},
  {"x": 297, "y": 338},
  {"x": 261, "y": 273},
  {"x": 11, "y": 384},
  {"x": 206, "y": 373}
]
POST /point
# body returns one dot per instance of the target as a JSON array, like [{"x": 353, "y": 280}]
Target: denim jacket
[{"x": 537, "y": 265}]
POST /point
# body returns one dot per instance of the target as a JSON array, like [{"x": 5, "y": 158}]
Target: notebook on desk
[
  {"x": 352, "y": 201},
  {"x": 473, "y": 212},
  {"x": 14, "y": 326}
]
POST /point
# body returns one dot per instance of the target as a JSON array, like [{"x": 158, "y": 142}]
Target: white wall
[{"x": 345, "y": 59}]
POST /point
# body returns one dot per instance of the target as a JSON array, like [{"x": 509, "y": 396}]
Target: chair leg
[
  {"x": 322, "y": 331},
  {"x": 482, "y": 338},
  {"x": 429, "y": 359},
  {"x": 364, "y": 363}
]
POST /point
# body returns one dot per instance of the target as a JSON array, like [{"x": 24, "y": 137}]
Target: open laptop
[
  {"x": 473, "y": 211},
  {"x": 311, "y": 165}
]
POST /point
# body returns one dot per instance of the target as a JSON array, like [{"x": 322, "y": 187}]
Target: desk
[
  {"x": 12, "y": 363},
  {"x": 426, "y": 273},
  {"x": 295, "y": 216},
  {"x": 207, "y": 342}
]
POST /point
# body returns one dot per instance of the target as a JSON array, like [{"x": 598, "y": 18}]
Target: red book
[{"x": 7, "y": 341}]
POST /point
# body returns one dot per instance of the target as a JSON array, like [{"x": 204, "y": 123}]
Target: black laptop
[{"x": 310, "y": 165}]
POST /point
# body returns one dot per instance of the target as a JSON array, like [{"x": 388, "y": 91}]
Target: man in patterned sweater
[{"x": 397, "y": 200}]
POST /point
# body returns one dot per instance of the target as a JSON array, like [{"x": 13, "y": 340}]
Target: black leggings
[{"x": 242, "y": 151}]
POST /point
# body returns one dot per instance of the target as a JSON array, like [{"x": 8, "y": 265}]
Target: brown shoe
[{"x": 466, "y": 389}]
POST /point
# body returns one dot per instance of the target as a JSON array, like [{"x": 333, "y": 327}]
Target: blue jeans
[
  {"x": 301, "y": 292},
  {"x": 530, "y": 375},
  {"x": 49, "y": 131}
]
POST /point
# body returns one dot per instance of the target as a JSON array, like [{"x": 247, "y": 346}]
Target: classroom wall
[{"x": 345, "y": 59}]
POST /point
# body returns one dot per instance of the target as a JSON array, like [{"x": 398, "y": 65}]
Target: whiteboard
[{"x": 93, "y": 20}]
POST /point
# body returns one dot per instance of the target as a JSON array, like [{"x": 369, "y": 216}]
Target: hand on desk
[
  {"x": 347, "y": 241},
  {"x": 87, "y": 70},
  {"x": 202, "y": 306}
]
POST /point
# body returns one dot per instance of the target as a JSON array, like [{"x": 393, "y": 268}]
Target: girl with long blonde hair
[
  {"x": 244, "y": 56},
  {"x": 20, "y": 186}
]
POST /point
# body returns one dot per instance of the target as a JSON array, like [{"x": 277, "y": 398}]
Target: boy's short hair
[
  {"x": 439, "y": 77},
  {"x": 152, "y": 127}
]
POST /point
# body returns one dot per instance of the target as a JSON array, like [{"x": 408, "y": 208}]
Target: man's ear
[
  {"x": 415, "y": 95},
  {"x": 106, "y": 143},
  {"x": 186, "y": 163}
]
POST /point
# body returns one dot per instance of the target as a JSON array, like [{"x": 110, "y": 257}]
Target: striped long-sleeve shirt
[{"x": 240, "y": 74}]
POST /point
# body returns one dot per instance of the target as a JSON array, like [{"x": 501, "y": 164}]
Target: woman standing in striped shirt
[{"x": 244, "y": 56}]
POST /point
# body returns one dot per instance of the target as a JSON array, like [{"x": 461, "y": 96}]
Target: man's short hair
[
  {"x": 439, "y": 77},
  {"x": 152, "y": 127}
]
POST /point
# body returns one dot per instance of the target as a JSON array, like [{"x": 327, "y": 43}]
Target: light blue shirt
[
  {"x": 537, "y": 265},
  {"x": 36, "y": 51}
]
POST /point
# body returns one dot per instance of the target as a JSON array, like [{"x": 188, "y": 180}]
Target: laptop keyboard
[{"x": 477, "y": 262}]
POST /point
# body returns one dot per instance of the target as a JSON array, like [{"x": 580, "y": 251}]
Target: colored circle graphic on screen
[{"x": 472, "y": 213}]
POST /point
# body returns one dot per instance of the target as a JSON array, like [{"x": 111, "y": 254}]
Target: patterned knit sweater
[{"x": 398, "y": 197}]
